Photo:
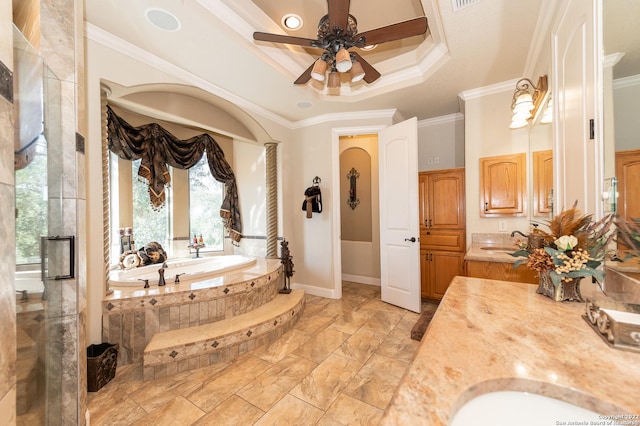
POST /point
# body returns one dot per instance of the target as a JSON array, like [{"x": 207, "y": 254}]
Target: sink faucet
[
  {"x": 25, "y": 296},
  {"x": 513, "y": 234}
]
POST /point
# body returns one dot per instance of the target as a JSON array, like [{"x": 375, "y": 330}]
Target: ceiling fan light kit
[{"x": 337, "y": 33}]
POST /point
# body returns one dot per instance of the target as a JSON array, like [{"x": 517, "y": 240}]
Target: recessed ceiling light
[
  {"x": 291, "y": 21},
  {"x": 304, "y": 104},
  {"x": 162, "y": 19}
]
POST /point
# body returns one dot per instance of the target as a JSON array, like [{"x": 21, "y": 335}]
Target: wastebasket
[{"x": 101, "y": 365}]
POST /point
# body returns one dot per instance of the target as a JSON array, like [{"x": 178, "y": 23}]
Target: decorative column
[
  {"x": 272, "y": 198},
  {"x": 106, "y": 206}
]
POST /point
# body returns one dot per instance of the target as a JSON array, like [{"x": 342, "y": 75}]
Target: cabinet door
[
  {"x": 503, "y": 185},
  {"x": 424, "y": 272},
  {"x": 441, "y": 267},
  {"x": 628, "y": 174},
  {"x": 542, "y": 182},
  {"x": 446, "y": 200},
  {"x": 423, "y": 204},
  {"x": 500, "y": 271}
]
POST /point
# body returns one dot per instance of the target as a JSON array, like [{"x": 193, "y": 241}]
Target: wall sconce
[{"x": 526, "y": 102}]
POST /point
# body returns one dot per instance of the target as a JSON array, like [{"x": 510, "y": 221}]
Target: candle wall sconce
[{"x": 353, "y": 175}]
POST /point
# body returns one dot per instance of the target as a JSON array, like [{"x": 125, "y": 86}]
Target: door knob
[{"x": 412, "y": 239}]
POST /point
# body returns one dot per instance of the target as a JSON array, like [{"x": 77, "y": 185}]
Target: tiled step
[{"x": 179, "y": 350}]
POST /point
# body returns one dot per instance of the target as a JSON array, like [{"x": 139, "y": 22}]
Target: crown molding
[
  {"x": 113, "y": 42},
  {"x": 624, "y": 82},
  {"x": 488, "y": 90},
  {"x": 444, "y": 119},
  {"x": 347, "y": 116}
]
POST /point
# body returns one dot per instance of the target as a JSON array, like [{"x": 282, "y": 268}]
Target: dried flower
[{"x": 574, "y": 247}]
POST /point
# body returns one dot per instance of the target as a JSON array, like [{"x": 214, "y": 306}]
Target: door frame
[{"x": 336, "y": 132}]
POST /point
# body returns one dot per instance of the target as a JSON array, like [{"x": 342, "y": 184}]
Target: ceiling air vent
[{"x": 460, "y": 4}]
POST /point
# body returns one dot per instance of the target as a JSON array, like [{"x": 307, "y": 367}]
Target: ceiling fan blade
[
  {"x": 305, "y": 76},
  {"x": 370, "y": 73},
  {"x": 393, "y": 32},
  {"x": 338, "y": 14},
  {"x": 277, "y": 38}
]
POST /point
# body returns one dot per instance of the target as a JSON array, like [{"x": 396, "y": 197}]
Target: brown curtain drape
[{"x": 157, "y": 148}]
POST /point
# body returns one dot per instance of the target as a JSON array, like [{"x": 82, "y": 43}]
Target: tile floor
[{"x": 340, "y": 365}]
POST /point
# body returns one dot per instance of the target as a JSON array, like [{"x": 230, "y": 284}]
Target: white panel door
[
  {"x": 399, "y": 222},
  {"x": 577, "y": 178}
]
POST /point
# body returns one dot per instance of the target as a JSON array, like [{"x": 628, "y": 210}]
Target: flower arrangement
[
  {"x": 628, "y": 237},
  {"x": 574, "y": 247}
]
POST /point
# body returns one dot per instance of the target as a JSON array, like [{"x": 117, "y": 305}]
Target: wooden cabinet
[
  {"x": 503, "y": 190},
  {"x": 437, "y": 269},
  {"x": 542, "y": 182},
  {"x": 442, "y": 229},
  {"x": 628, "y": 175},
  {"x": 500, "y": 271},
  {"x": 442, "y": 199}
]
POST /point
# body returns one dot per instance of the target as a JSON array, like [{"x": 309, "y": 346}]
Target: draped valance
[{"x": 157, "y": 148}]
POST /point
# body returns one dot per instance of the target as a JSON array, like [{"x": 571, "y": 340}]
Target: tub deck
[{"x": 133, "y": 316}]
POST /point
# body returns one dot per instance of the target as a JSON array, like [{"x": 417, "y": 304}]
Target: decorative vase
[{"x": 565, "y": 291}]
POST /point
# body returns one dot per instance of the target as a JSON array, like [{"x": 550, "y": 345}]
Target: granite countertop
[
  {"x": 493, "y": 248},
  {"x": 492, "y": 335}
]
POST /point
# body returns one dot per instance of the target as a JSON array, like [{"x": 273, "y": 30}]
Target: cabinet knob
[{"x": 486, "y": 207}]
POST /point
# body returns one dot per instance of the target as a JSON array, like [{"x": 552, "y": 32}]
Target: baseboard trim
[
  {"x": 361, "y": 279},
  {"x": 329, "y": 293}
]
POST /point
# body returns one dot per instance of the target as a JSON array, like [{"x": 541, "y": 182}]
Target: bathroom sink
[{"x": 522, "y": 409}]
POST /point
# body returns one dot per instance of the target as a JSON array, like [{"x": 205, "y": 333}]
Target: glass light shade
[
  {"x": 343, "y": 60},
  {"x": 318, "y": 70},
  {"x": 356, "y": 72},
  {"x": 521, "y": 115},
  {"x": 334, "y": 79},
  {"x": 523, "y": 102},
  {"x": 517, "y": 123}
]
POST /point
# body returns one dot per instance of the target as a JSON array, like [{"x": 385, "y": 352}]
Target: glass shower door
[{"x": 44, "y": 253}]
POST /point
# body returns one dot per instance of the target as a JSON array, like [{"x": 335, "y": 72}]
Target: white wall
[
  {"x": 626, "y": 95},
  {"x": 441, "y": 143},
  {"x": 311, "y": 154},
  {"x": 487, "y": 133}
]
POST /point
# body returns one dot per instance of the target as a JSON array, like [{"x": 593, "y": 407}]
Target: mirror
[{"x": 621, "y": 76}]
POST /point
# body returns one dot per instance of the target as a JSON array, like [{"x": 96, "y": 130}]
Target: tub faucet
[
  {"x": 25, "y": 296},
  {"x": 513, "y": 234},
  {"x": 161, "y": 281}
]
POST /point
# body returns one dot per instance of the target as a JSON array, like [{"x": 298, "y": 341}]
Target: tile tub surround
[
  {"x": 130, "y": 317},
  {"x": 181, "y": 350},
  {"x": 493, "y": 335}
]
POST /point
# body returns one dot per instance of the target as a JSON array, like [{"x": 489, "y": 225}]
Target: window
[
  {"x": 149, "y": 224},
  {"x": 205, "y": 195},
  {"x": 192, "y": 206},
  {"x": 31, "y": 206}
]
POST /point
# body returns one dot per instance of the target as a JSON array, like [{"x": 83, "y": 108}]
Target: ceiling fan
[{"x": 337, "y": 33}]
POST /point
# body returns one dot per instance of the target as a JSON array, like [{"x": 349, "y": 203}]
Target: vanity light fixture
[
  {"x": 547, "y": 115},
  {"x": 527, "y": 99}
]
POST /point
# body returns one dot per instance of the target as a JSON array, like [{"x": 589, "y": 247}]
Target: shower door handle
[{"x": 72, "y": 256}]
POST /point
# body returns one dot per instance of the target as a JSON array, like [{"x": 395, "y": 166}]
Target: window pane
[
  {"x": 148, "y": 224},
  {"x": 205, "y": 198},
  {"x": 31, "y": 206}
]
